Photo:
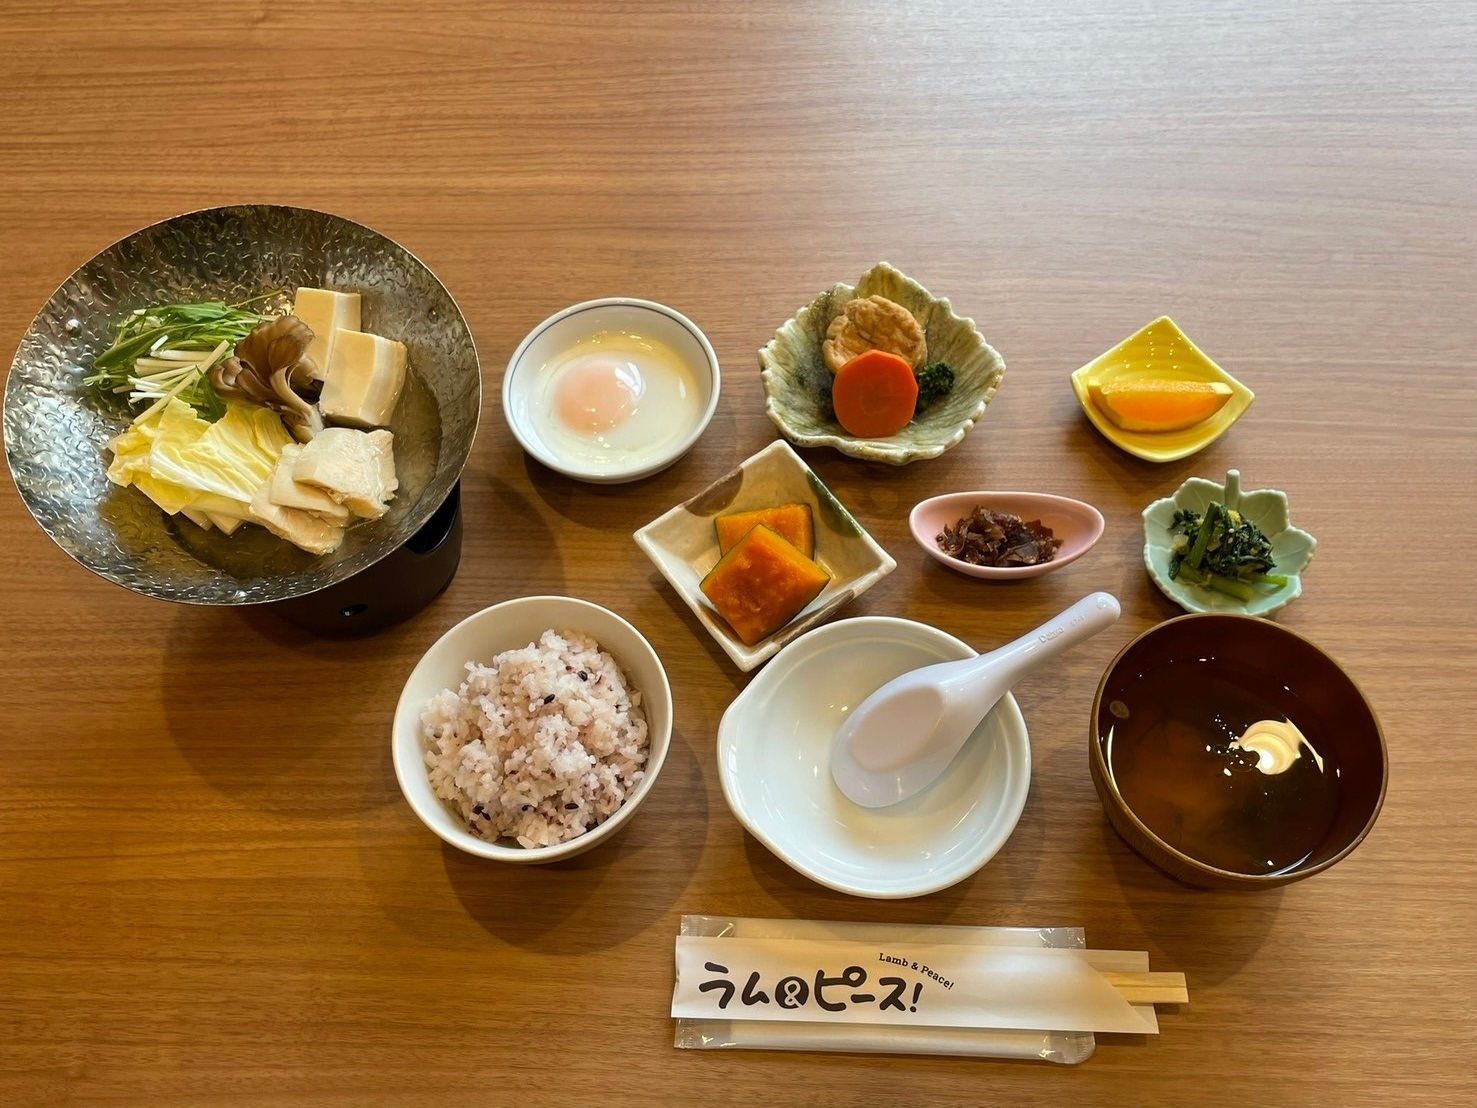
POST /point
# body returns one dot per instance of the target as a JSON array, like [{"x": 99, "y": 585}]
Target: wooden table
[{"x": 210, "y": 896}]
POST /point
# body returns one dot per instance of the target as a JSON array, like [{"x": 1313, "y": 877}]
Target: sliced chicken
[
  {"x": 355, "y": 468},
  {"x": 307, "y": 530},
  {"x": 287, "y": 492}
]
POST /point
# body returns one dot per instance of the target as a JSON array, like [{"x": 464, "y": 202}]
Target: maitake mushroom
[{"x": 264, "y": 369}]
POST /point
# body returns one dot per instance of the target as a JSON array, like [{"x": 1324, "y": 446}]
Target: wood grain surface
[{"x": 211, "y": 891}]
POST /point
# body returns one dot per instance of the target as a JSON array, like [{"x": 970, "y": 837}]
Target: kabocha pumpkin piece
[
  {"x": 793, "y": 521},
  {"x": 762, "y": 583}
]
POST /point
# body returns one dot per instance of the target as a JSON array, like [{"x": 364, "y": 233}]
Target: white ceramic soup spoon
[{"x": 897, "y": 741}]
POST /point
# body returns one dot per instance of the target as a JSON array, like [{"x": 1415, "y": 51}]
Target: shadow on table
[
  {"x": 525, "y": 559},
  {"x": 700, "y": 635},
  {"x": 605, "y": 896},
  {"x": 575, "y": 500},
  {"x": 1208, "y": 934},
  {"x": 276, "y": 743}
]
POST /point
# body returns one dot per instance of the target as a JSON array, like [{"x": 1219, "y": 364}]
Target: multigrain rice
[{"x": 540, "y": 745}]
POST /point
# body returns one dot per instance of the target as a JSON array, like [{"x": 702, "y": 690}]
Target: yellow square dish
[{"x": 1160, "y": 351}]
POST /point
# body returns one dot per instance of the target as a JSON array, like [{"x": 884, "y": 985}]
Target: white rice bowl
[
  {"x": 541, "y": 745},
  {"x": 607, "y": 784}
]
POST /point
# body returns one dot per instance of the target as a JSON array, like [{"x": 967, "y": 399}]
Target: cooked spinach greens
[{"x": 1221, "y": 550}]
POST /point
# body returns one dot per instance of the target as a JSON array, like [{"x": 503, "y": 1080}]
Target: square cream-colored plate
[
  {"x": 1160, "y": 350},
  {"x": 683, "y": 545}
]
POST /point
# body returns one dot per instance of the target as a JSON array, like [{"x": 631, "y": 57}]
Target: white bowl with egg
[
  {"x": 512, "y": 625},
  {"x": 611, "y": 390}
]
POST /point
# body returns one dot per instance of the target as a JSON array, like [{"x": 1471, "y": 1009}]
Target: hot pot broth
[{"x": 1168, "y": 744}]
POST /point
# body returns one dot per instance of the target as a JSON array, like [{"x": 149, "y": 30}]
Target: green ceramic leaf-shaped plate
[
  {"x": 1292, "y": 548},
  {"x": 797, "y": 382}
]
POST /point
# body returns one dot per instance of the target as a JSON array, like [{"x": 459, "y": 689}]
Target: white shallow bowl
[
  {"x": 537, "y": 355},
  {"x": 1077, "y": 525},
  {"x": 683, "y": 544},
  {"x": 774, "y": 760},
  {"x": 511, "y": 625},
  {"x": 1292, "y": 548}
]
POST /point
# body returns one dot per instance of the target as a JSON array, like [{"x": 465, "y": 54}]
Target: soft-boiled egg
[
  {"x": 615, "y": 398},
  {"x": 597, "y": 392}
]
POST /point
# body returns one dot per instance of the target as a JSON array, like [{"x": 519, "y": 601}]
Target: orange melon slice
[{"x": 1154, "y": 406}]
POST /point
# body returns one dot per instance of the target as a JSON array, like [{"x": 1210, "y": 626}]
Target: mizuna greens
[{"x": 166, "y": 351}]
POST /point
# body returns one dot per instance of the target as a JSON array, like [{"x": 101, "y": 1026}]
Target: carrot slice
[{"x": 874, "y": 394}]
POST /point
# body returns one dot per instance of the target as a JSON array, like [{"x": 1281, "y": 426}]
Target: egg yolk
[{"x": 596, "y": 394}]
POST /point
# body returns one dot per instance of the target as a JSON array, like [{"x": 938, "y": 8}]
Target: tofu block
[
  {"x": 356, "y": 468},
  {"x": 325, "y": 312},
  {"x": 287, "y": 492},
  {"x": 365, "y": 375},
  {"x": 303, "y": 529}
]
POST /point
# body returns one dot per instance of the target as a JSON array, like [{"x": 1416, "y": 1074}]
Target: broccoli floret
[{"x": 934, "y": 381}]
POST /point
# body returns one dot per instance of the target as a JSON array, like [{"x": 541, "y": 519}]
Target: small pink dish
[{"x": 1077, "y": 525}]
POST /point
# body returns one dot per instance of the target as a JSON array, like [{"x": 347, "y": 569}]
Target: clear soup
[{"x": 1169, "y": 742}]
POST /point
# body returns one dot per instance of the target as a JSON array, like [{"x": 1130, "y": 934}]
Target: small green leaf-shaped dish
[
  {"x": 797, "y": 383},
  {"x": 1292, "y": 548}
]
